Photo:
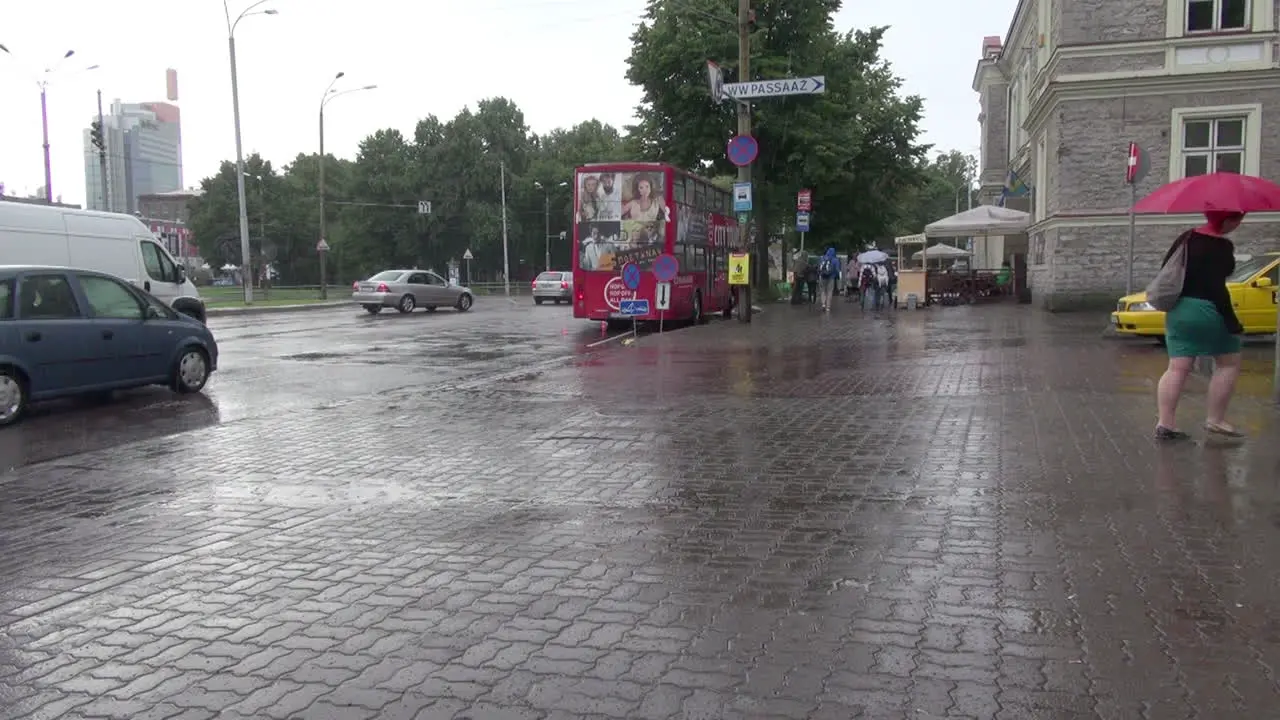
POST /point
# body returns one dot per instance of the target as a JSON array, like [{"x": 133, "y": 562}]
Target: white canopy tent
[
  {"x": 940, "y": 252},
  {"x": 982, "y": 220}
]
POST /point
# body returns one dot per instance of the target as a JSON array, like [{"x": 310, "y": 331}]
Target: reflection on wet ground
[{"x": 952, "y": 513}]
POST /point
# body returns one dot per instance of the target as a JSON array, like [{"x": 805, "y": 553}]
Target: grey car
[
  {"x": 554, "y": 286},
  {"x": 408, "y": 290}
]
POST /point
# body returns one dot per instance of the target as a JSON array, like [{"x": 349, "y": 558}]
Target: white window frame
[
  {"x": 1249, "y": 17},
  {"x": 1252, "y": 115}
]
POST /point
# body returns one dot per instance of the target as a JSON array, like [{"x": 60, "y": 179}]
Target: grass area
[{"x": 225, "y": 297}]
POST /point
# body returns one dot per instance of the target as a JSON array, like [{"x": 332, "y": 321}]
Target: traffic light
[{"x": 95, "y": 135}]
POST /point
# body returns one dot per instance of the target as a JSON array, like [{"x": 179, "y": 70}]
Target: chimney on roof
[{"x": 991, "y": 46}]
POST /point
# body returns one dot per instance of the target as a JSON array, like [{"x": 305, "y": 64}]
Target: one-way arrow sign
[{"x": 815, "y": 85}]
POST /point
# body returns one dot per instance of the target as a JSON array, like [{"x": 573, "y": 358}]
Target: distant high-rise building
[{"x": 144, "y": 154}]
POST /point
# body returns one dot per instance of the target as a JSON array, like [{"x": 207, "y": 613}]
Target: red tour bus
[{"x": 634, "y": 212}]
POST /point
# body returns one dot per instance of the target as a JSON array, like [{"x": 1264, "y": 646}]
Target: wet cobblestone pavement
[{"x": 950, "y": 514}]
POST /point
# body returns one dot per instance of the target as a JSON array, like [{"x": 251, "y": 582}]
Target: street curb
[{"x": 268, "y": 309}]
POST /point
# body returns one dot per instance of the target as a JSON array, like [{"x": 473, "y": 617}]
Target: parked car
[
  {"x": 113, "y": 243},
  {"x": 407, "y": 290},
  {"x": 1252, "y": 286},
  {"x": 554, "y": 286},
  {"x": 70, "y": 332}
]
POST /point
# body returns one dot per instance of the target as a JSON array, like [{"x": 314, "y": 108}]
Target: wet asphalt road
[
  {"x": 955, "y": 513},
  {"x": 278, "y": 364}
]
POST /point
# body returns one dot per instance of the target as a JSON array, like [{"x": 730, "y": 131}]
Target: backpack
[{"x": 826, "y": 268}]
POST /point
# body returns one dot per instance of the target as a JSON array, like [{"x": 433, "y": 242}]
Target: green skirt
[{"x": 1195, "y": 328}]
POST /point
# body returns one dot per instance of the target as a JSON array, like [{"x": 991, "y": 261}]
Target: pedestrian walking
[
  {"x": 811, "y": 280},
  {"x": 882, "y": 286},
  {"x": 851, "y": 272},
  {"x": 866, "y": 286},
  {"x": 828, "y": 276},
  {"x": 799, "y": 263},
  {"x": 1200, "y": 322}
]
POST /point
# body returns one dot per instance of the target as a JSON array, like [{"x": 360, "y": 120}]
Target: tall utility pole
[
  {"x": 744, "y": 128},
  {"x": 102, "y": 157},
  {"x": 506, "y": 261}
]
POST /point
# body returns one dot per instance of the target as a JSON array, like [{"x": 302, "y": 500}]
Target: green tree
[
  {"x": 941, "y": 194},
  {"x": 855, "y": 146}
]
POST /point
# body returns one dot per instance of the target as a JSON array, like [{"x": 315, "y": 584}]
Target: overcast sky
[{"x": 561, "y": 61}]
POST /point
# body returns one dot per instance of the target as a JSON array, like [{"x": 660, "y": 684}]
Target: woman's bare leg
[
  {"x": 1169, "y": 390},
  {"x": 1226, "y": 370}
]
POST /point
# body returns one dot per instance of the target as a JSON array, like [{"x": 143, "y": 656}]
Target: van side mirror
[{"x": 1263, "y": 282}]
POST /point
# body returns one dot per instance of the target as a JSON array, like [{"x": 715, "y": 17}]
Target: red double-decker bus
[{"x": 634, "y": 212}]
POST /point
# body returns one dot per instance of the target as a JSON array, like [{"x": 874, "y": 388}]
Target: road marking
[{"x": 598, "y": 343}]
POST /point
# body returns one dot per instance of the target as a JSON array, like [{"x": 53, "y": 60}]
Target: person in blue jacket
[{"x": 828, "y": 276}]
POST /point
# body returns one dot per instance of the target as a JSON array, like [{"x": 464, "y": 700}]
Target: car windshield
[
  {"x": 549, "y": 276},
  {"x": 386, "y": 276},
  {"x": 1249, "y": 268}
]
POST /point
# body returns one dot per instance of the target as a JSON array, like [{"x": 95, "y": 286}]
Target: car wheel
[
  {"x": 373, "y": 309},
  {"x": 464, "y": 303},
  {"x": 191, "y": 371},
  {"x": 537, "y": 301},
  {"x": 406, "y": 304},
  {"x": 13, "y": 396},
  {"x": 697, "y": 309}
]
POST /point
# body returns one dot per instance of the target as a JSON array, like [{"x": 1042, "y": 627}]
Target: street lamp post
[
  {"x": 235, "y": 112},
  {"x": 43, "y": 83},
  {"x": 546, "y": 209},
  {"x": 322, "y": 247}
]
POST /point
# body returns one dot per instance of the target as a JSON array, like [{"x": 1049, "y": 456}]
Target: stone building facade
[{"x": 1195, "y": 83}]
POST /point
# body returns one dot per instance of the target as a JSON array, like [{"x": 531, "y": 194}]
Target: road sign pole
[
  {"x": 744, "y": 128},
  {"x": 1133, "y": 231}
]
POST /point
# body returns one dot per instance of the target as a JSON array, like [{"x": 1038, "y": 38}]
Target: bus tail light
[{"x": 580, "y": 293}]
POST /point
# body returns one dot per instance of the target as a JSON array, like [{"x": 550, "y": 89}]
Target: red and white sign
[
  {"x": 1135, "y": 157},
  {"x": 615, "y": 292},
  {"x": 804, "y": 200}
]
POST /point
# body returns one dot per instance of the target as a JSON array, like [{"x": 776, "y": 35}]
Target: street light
[
  {"x": 42, "y": 81},
  {"x": 322, "y": 247},
  {"x": 546, "y": 238},
  {"x": 235, "y": 111}
]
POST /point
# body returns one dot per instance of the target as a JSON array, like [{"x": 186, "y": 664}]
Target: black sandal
[{"x": 1164, "y": 433}]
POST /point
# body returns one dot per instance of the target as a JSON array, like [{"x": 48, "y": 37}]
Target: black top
[{"x": 1210, "y": 261}]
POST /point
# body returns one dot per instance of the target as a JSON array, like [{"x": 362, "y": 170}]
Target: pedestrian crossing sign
[{"x": 739, "y": 268}]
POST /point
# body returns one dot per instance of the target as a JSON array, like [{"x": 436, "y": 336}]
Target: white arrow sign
[{"x": 776, "y": 88}]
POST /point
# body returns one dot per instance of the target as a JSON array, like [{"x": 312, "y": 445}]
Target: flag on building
[{"x": 1013, "y": 187}]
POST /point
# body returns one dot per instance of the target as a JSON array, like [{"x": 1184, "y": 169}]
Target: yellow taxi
[{"x": 1253, "y": 288}]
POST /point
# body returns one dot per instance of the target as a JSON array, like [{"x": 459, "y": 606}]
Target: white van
[{"x": 121, "y": 245}]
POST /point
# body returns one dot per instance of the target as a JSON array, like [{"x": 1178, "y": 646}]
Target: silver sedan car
[
  {"x": 408, "y": 290},
  {"x": 554, "y": 286}
]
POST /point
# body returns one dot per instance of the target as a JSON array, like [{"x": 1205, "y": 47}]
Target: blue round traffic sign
[
  {"x": 665, "y": 268},
  {"x": 631, "y": 276},
  {"x": 743, "y": 150}
]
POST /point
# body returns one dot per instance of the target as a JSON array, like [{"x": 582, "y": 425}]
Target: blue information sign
[
  {"x": 665, "y": 268},
  {"x": 802, "y": 222},
  {"x": 631, "y": 276},
  {"x": 634, "y": 307},
  {"x": 742, "y": 150}
]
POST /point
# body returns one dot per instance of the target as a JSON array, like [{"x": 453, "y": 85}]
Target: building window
[
  {"x": 1224, "y": 138},
  {"x": 1217, "y": 15},
  {"x": 1213, "y": 145}
]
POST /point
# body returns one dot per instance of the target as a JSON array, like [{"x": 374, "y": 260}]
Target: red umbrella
[{"x": 1220, "y": 191}]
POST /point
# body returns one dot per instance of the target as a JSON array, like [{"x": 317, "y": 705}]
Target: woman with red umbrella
[
  {"x": 1203, "y": 324},
  {"x": 1200, "y": 321}
]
